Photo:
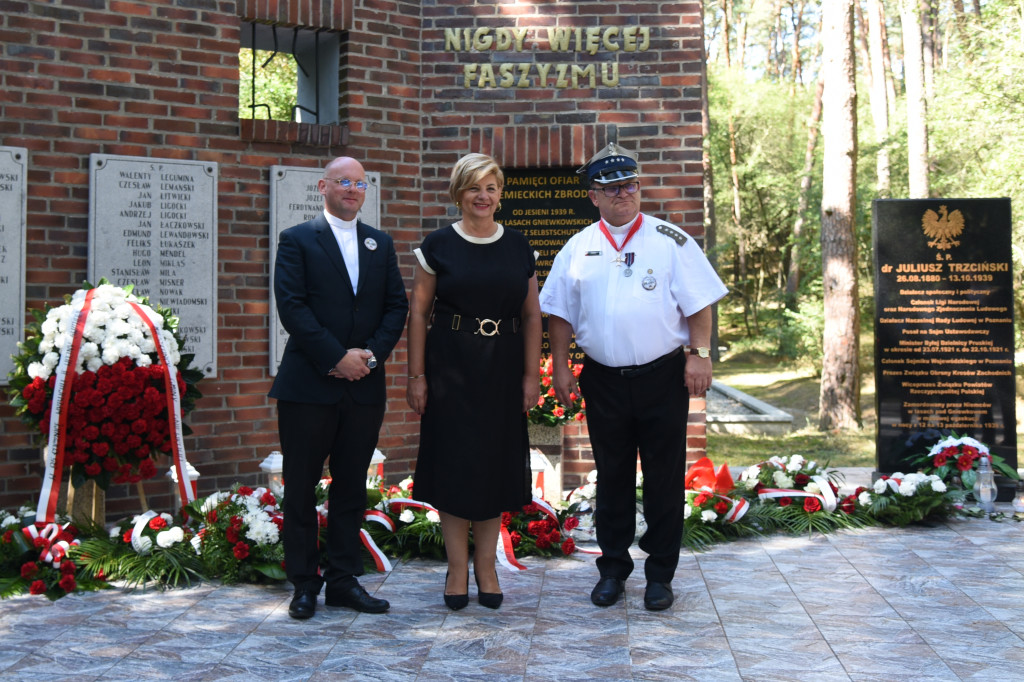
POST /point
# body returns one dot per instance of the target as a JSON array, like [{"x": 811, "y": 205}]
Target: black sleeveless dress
[{"x": 474, "y": 459}]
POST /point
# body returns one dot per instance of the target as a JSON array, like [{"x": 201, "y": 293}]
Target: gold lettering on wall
[{"x": 583, "y": 40}]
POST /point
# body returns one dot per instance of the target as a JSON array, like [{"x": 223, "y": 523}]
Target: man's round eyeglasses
[
  {"x": 345, "y": 183},
  {"x": 613, "y": 191}
]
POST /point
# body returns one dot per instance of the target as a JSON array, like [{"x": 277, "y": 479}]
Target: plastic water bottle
[{"x": 985, "y": 486}]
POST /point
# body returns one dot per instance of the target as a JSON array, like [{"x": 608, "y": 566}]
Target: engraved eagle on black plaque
[{"x": 942, "y": 227}]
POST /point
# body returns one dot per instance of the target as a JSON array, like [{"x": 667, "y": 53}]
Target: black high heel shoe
[
  {"x": 491, "y": 600},
  {"x": 456, "y": 601}
]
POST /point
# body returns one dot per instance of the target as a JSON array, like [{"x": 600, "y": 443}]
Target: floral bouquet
[
  {"x": 415, "y": 528},
  {"x": 240, "y": 536},
  {"x": 798, "y": 496},
  {"x": 149, "y": 548},
  {"x": 117, "y": 414},
  {"x": 548, "y": 411},
  {"x": 538, "y": 530},
  {"x": 713, "y": 510},
  {"x": 901, "y": 499},
  {"x": 959, "y": 457},
  {"x": 582, "y": 501},
  {"x": 39, "y": 561}
]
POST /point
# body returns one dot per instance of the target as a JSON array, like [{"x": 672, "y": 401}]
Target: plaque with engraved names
[
  {"x": 153, "y": 223},
  {"x": 13, "y": 196},
  {"x": 944, "y": 341},
  {"x": 294, "y": 199}
]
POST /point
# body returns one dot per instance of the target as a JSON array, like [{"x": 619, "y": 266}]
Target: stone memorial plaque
[
  {"x": 943, "y": 326},
  {"x": 153, "y": 223},
  {"x": 13, "y": 193},
  {"x": 294, "y": 199},
  {"x": 548, "y": 206}
]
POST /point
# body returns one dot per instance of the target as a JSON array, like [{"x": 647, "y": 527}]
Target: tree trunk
[
  {"x": 710, "y": 224},
  {"x": 741, "y": 243},
  {"x": 793, "y": 278},
  {"x": 917, "y": 110},
  {"x": 928, "y": 46},
  {"x": 840, "y": 374},
  {"x": 879, "y": 98},
  {"x": 890, "y": 81},
  {"x": 796, "y": 64}
]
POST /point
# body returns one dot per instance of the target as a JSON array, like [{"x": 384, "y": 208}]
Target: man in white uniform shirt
[{"x": 635, "y": 290}]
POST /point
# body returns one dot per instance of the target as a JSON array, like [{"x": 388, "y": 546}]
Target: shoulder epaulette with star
[{"x": 677, "y": 235}]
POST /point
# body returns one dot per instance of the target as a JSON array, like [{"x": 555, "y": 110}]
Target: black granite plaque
[
  {"x": 548, "y": 206},
  {"x": 943, "y": 326}
]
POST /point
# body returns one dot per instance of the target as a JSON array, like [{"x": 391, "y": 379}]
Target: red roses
[{"x": 117, "y": 418}]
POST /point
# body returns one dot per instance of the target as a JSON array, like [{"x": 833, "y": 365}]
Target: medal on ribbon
[{"x": 630, "y": 258}]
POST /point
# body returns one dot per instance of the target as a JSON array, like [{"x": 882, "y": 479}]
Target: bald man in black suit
[{"x": 341, "y": 298}]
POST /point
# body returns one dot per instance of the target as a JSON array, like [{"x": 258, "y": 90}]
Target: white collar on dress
[{"x": 478, "y": 240}]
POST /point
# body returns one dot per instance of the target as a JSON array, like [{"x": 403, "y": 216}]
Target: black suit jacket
[{"x": 324, "y": 318}]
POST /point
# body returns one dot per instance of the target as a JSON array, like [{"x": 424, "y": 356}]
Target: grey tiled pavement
[{"x": 922, "y": 603}]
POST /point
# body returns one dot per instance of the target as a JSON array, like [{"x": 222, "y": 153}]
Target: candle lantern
[
  {"x": 273, "y": 466},
  {"x": 193, "y": 477}
]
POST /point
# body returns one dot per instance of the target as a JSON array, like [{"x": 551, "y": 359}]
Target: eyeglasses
[
  {"x": 613, "y": 191},
  {"x": 345, "y": 183}
]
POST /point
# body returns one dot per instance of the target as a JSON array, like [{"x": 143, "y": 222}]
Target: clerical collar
[
  {"x": 336, "y": 222},
  {"x": 617, "y": 229}
]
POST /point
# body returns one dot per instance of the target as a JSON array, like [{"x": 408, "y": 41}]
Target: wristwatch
[
  {"x": 701, "y": 351},
  {"x": 371, "y": 361}
]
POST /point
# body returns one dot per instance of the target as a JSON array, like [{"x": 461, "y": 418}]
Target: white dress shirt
[
  {"x": 345, "y": 232},
  {"x": 620, "y": 320}
]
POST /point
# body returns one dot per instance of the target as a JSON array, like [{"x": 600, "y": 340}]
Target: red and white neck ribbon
[
  {"x": 827, "y": 497},
  {"x": 185, "y": 492},
  {"x": 379, "y": 558},
  {"x": 629, "y": 235},
  {"x": 46, "y": 510}
]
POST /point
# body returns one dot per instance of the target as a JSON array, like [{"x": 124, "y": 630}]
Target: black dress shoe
[
  {"x": 303, "y": 604},
  {"x": 355, "y": 597},
  {"x": 456, "y": 602},
  {"x": 491, "y": 600},
  {"x": 607, "y": 591},
  {"x": 658, "y": 596}
]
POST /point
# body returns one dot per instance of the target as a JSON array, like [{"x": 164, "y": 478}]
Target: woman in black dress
[{"x": 473, "y": 375}]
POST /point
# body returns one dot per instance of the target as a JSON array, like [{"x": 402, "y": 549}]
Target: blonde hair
[{"x": 469, "y": 170}]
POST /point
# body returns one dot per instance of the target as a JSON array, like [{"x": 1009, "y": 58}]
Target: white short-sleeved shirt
[{"x": 622, "y": 321}]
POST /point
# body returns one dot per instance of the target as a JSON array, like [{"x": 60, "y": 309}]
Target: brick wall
[{"x": 159, "y": 79}]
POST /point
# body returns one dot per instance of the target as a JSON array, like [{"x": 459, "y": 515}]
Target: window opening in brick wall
[{"x": 288, "y": 73}]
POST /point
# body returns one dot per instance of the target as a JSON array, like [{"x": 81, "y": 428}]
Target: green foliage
[
  {"x": 975, "y": 132},
  {"x": 275, "y": 85}
]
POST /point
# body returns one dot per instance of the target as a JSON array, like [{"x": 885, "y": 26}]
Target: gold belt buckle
[{"x": 484, "y": 332}]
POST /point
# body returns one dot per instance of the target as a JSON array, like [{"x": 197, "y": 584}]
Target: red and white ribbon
[
  {"x": 380, "y": 559},
  {"x": 737, "y": 507},
  {"x": 827, "y": 497},
  {"x": 53, "y": 552},
  {"x": 400, "y": 503},
  {"x": 506, "y": 552},
  {"x": 185, "y": 491},
  {"x": 46, "y": 510}
]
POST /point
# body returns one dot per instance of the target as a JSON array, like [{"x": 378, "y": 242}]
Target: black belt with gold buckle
[{"x": 484, "y": 326}]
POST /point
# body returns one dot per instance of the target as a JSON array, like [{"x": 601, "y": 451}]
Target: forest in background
[{"x": 925, "y": 95}]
